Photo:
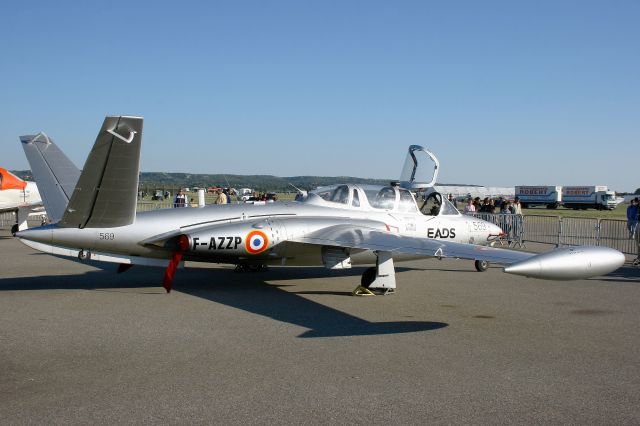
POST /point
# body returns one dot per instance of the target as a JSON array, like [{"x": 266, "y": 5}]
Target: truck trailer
[
  {"x": 585, "y": 197},
  {"x": 550, "y": 196}
]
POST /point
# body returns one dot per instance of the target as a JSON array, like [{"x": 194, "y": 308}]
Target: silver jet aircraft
[{"x": 93, "y": 215}]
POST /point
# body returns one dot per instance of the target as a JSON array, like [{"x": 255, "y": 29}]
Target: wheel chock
[{"x": 362, "y": 291}]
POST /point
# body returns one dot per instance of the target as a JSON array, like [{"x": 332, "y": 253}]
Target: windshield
[
  {"x": 436, "y": 205},
  {"x": 339, "y": 194},
  {"x": 407, "y": 203},
  {"x": 384, "y": 198}
]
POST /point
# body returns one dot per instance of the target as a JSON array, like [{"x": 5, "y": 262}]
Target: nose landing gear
[{"x": 380, "y": 279}]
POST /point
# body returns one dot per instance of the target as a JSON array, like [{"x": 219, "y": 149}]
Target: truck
[
  {"x": 584, "y": 197},
  {"x": 549, "y": 196}
]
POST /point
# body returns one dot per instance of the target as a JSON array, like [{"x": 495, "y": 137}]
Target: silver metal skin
[
  {"x": 334, "y": 226},
  {"x": 569, "y": 263},
  {"x": 55, "y": 174}
]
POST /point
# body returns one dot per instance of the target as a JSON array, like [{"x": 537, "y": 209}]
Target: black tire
[
  {"x": 481, "y": 265},
  {"x": 256, "y": 267},
  {"x": 368, "y": 277},
  {"x": 14, "y": 229}
]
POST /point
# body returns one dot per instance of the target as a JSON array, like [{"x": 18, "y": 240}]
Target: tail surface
[
  {"x": 52, "y": 170},
  {"x": 106, "y": 193}
]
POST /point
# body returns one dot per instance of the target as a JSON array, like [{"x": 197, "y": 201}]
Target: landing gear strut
[{"x": 381, "y": 278}]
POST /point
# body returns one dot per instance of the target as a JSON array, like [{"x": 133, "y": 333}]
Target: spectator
[
  {"x": 485, "y": 204},
  {"x": 453, "y": 201},
  {"x": 632, "y": 217},
  {"x": 476, "y": 204},
  {"x": 517, "y": 207},
  {"x": 180, "y": 200},
  {"x": 491, "y": 207},
  {"x": 506, "y": 208},
  {"x": 469, "y": 209},
  {"x": 222, "y": 197},
  {"x": 506, "y": 220}
]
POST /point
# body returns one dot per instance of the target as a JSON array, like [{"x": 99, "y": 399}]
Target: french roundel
[{"x": 256, "y": 242}]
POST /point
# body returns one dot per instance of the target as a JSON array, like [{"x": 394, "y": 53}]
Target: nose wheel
[
  {"x": 481, "y": 265},
  {"x": 381, "y": 278}
]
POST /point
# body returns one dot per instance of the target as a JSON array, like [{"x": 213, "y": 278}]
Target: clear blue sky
[{"x": 505, "y": 93}]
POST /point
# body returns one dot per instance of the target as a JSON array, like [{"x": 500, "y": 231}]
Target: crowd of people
[{"x": 489, "y": 205}]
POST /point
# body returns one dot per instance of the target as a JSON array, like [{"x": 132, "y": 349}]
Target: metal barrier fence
[
  {"x": 578, "y": 231},
  {"x": 564, "y": 231},
  {"x": 614, "y": 234},
  {"x": 7, "y": 219},
  {"x": 511, "y": 224},
  {"x": 145, "y": 206},
  {"x": 542, "y": 229}
]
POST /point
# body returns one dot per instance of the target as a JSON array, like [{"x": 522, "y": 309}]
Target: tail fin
[
  {"x": 54, "y": 173},
  {"x": 106, "y": 193}
]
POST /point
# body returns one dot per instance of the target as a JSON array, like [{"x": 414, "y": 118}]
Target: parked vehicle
[
  {"x": 550, "y": 196},
  {"x": 244, "y": 194},
  {"x": 585, "y": 197}
]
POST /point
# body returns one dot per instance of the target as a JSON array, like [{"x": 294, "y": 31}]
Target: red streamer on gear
[
  {"x": 169, "y": 273},
  {"x": 171, "y": 270}
]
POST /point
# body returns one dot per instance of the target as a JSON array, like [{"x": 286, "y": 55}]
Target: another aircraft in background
[
  {"x": 94, "y": 217},
  {"x": 19, "y": 196}
]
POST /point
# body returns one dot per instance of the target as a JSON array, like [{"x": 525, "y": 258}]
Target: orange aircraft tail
[{"x": 10, "y": 181}]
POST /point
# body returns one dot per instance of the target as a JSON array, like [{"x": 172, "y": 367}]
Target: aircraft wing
[
  {"x": 372, "y": 239},
  {"x": 568, "y": 263}
]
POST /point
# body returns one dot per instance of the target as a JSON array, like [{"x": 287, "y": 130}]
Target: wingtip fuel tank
[{"x": 572, "y": 263}]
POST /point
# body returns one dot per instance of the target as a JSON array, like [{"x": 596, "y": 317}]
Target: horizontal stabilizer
[
  {"x": 106, "y": 193},
  {"x": 54, "y": 173}
]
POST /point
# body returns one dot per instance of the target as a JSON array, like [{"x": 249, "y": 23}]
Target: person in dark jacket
[{"x": 632, "y": 217}]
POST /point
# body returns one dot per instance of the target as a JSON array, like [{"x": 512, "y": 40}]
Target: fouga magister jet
[{"x": 95, "y": 218}]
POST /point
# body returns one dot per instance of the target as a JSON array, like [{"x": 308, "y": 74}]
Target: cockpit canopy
[
  {"x": 371, "y": 197},
  {"x": 368, "y": 197}
]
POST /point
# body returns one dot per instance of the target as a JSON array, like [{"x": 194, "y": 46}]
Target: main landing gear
[
  {"x": 251, "y": 267},
  {"x": 380, "y": 279}
]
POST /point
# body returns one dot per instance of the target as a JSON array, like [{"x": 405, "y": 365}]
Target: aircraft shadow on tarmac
[
  {"x": 246, "y": 291},
  {"x": 626, "y": 274}
]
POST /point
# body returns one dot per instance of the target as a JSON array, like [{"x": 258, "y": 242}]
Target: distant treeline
[{"x": 261, "y": 183}]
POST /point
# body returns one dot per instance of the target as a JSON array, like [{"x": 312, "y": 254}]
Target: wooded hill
[{"x": 262, "y": 183}]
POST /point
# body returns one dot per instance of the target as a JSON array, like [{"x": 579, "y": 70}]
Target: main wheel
[
  {"x": 481, "y": 265},
  {"x": 368, "y": 277}
]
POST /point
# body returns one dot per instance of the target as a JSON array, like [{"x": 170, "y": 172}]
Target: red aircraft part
[{"x": 169, "y": 273}]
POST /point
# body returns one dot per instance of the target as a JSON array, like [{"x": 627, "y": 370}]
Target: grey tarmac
[{"x": 84, "y": 345}]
